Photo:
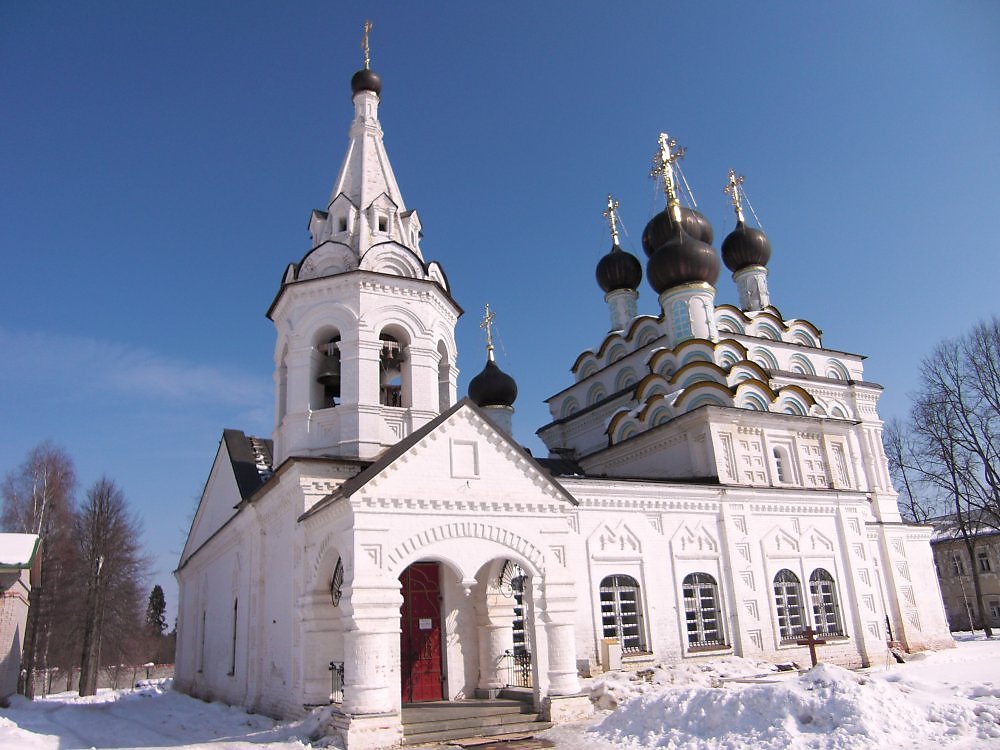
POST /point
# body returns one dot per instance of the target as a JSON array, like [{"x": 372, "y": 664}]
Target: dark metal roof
[{"x": 251, "y": 458}]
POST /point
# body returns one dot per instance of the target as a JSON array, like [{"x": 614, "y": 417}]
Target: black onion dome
[
  {"x": 745, "y": 246},
  {"x": 493, "y": 387},
  {"x": 681, "y": 258},
  {"x": 658, "y": 231},
  {"x": 366, "y": 80},
  {"x": 618, "y": 270},
  {"x": 697, "y": 225}
]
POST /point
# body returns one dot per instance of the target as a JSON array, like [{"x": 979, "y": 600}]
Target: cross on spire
[
  {"x": 609, "y": 214},
  {"x": 733, "y": 189},
  {"x": 487, "y": 324},
  {"x": 663, "y": 161},
  {"x": 364, "y": 43}
]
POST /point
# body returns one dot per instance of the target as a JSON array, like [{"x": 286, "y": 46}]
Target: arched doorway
[{"x": 420, "y": 633}]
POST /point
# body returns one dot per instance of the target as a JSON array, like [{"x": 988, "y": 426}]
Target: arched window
[
  {"x": 788, "y": 601},
  {"x": 701, "y": 609},
  {"x": 826, "y": 608},
  {"x": 680, "y": 319},
  {"x": 621, "y": 613}
]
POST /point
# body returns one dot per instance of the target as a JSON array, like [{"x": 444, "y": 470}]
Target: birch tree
[{"x": 38, "y": 499}]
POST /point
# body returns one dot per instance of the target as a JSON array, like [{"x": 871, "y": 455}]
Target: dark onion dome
[
  {"x": 366, "y": 80},
  {"x": 493, "y": 387},
  {"x": 745, "y": 246},
  {"x": 657, "y": 230},
  {"x": 619, "y": 270},
  {"x": 681, "y": 259}
]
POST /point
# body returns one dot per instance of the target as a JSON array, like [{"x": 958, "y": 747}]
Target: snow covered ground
[{"x": 947, "y": 699}]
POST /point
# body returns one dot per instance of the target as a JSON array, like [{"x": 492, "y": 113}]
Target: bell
[{"x": 329, "y": 373}]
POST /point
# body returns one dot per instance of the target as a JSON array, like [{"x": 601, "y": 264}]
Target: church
[{"x": 715, "y": 485}]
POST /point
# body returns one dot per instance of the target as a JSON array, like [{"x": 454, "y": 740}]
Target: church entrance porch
[{"x": 420, "y": 633}]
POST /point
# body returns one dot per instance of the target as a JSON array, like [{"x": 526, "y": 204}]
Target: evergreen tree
[{"x": 156, "y": 621}]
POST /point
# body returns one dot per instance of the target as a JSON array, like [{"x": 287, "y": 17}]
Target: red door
[{"x": 420, "y": 637}]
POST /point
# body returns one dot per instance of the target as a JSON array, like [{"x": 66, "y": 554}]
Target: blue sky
[{"x": 159, "y": 162}]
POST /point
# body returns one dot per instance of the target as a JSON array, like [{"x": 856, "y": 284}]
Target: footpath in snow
[{"x": 946, "y": 699}]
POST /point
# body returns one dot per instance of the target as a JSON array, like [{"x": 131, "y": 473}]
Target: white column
[
  {"x": 558, "y": 617},
  {"x": 371, "y": 646},
  {"x": 495, "y": 638}
]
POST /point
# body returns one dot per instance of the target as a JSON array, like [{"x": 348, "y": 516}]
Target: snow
[{"x": 944, "y": 699}]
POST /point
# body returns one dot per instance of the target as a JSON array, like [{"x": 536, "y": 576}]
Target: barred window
[
  {"x": 621, "y": 612},
  {"x": 702, "y": 611},
  {"x": 825, "y": 606},
  {"x": 788, "y": 600}
]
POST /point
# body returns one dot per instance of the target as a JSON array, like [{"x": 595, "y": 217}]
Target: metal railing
[
  {"x": 515, "y": 667},
  {"x": 337, "y": 682}
]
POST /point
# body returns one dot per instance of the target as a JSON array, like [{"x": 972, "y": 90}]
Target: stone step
[
  {"x": 524, "y": 728},
  {"x": 441, "y": 721},
  {"x": 466, "y": 722}
]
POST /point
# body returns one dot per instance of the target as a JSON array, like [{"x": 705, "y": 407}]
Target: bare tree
[
  {"x": 38, "y": 499},
  {"x": 111, "y": 574},
  {"x": 953, "y": 447},
  {"x": 917, "y": 504}
]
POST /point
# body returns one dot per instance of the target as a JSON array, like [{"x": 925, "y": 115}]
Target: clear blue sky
[{"x": 159, "y": 162}]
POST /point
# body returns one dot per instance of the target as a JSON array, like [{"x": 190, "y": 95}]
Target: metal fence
[{"x": 515, "y": 666}]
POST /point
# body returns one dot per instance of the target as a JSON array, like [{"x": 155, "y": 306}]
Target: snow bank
[{"x": 826, "y": 708}]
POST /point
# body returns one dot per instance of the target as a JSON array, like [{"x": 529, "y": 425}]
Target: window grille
[
  {"x": 701, "y": 607},
  {"x": 826, "y": 608},
  {"x": 621, "y": 613},
  {"x": 788, "y": 600}
]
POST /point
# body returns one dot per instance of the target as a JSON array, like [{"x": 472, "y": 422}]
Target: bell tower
[{"x": 365, "y": 349}]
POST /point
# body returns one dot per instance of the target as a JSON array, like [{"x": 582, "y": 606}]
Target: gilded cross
[
  {"x": 609, "y": 214},
  {"x": 488, "y": 325},
  {"x": 663, "y": 161},
  {"x": 364, "y": 43},
  {"x": 733, "y": 189}
]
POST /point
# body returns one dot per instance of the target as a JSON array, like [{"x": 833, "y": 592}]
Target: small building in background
[
  {"x": 19, "y": 571},
  {"x": 955, "y": 570}
]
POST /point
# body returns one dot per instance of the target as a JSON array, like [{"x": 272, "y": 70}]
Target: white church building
[{"x": 715, "y": 485}]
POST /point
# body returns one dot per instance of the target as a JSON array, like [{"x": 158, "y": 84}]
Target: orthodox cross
[
  {"x": 610, "y": 216},
  {"x": 733, "y": 188},
  {"x": 364, "y": 43},
  {"x": 808, "y": 638},
  {"x": 487, "y": 324},
  {"x": 663, "y": 161}
]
